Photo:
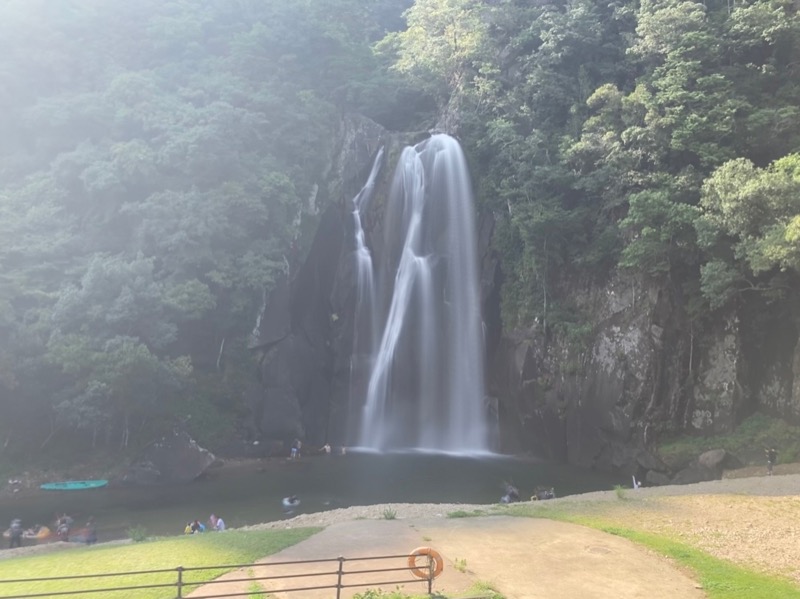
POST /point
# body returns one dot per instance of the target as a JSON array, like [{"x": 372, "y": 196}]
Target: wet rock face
[
  {"x": 173, "y": 459},
  {"x": 644, "y": 369},
  {"x": 717, "y": 391},
  {"x": 771, "y": 352},
  {"x": 582, "y": 400},
  {"x": 304, "y": 334},
  {"x": 296, "y": 334}
]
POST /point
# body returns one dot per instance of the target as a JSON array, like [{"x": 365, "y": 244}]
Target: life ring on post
[{"x": 424, "y": 571}]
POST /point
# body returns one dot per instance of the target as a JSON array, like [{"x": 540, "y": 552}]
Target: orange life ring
[{"x": 424, "y": 572}]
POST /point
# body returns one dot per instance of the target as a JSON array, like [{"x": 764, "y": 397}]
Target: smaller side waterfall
[
  {"x": 425, "y": 386},
  {"x": 366, "y": 317}
]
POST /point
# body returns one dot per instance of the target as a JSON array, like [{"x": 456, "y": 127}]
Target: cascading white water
[
  {"x": 366, "y": 316},
  {"x": 426, "y": 385}
]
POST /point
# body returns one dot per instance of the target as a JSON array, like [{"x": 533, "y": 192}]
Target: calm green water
[{"x": 252, "y": 493}]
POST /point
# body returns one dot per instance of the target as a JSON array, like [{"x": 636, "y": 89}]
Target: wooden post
[{"x": 430, "y": 575}]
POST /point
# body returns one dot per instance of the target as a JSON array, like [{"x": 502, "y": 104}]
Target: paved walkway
[{"x": 522, "y": 558}]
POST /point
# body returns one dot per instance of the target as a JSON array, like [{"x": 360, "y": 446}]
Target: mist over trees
[{"x": 158, "y": 161}]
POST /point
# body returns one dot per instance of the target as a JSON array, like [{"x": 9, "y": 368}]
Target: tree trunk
[
  {"x": 544, "y": 289},
  {"x": 126, "y": 431},
  {"x": 50, "y": 436}
]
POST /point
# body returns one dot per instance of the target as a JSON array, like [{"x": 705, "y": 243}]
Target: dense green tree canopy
[{"x": 593, "y": 127}]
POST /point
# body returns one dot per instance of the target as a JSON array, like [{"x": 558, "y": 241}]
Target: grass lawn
[
  {"x": 719, "y": 579},
  {"x": 232, "y": 547}
]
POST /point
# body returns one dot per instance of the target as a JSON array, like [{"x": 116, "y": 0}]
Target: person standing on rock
[
  {"x": 772, "y": 456},
  {"x": 296, "y": 445}
]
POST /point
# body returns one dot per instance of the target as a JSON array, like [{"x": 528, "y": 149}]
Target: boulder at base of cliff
[
  {"x": 708, "y": 466},
  {"x": 172, "y": 459},
  {"x": 657, "y": 479},
  {"x": 719, "y": 459},
  {"x": 696, "y": 473}
]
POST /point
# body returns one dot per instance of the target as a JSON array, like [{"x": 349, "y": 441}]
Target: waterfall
[
  {"x": 366, "y": 317},
  {"x": 425, "y": 383}
]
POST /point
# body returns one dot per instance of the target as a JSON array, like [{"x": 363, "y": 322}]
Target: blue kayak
[{"x": 74, "y": 485}]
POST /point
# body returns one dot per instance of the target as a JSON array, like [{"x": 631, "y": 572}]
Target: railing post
[
  {"x": 430, "y": 575},
  {"x": 180, "y": 582},
  {"x": 339, "y": 578}
]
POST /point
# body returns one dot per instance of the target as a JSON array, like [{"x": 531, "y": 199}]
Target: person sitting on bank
[
  {"x": 64, "y": 519},
  {"x": 512, "y": 494},
  {"x": 197, "y": 526},
  {"x": 187, "y": 530},
  {"x": 62, "y": 527},
  {"x": 217, "y": 523},
  {"x": 91, "y": 531}
]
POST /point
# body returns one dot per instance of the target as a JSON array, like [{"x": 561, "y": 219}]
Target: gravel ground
[{"x": 752, "y": 521}]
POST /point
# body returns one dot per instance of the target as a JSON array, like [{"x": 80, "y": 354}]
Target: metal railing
[{"x": 183, "y": 583}]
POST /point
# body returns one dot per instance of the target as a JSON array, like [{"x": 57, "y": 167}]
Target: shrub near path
[{"x": 210, "y": 549}]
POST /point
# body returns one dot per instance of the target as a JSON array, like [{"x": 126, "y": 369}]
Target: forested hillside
[
  {"x": 160, "y": 164},
  {"x": 157, "y": 160},
  {"x": 656, "y": 135}
]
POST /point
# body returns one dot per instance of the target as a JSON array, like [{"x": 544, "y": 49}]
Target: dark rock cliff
[
  {"x": 304, "y": 336},
  {"x": 591, "y": 401},
  {"x": 644, "y": 370}
]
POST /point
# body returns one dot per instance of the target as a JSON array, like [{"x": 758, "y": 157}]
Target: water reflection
[{"x": 253, "y": 492}]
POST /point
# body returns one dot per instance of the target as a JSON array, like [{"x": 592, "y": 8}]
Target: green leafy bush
[
  {"x": 137, "y": 533},
  {"x": 747, "y": 442}
]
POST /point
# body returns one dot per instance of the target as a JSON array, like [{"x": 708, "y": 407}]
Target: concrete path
[
  {"x": 522, "y": 558},
  {"x": 527, "y": 558}
]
